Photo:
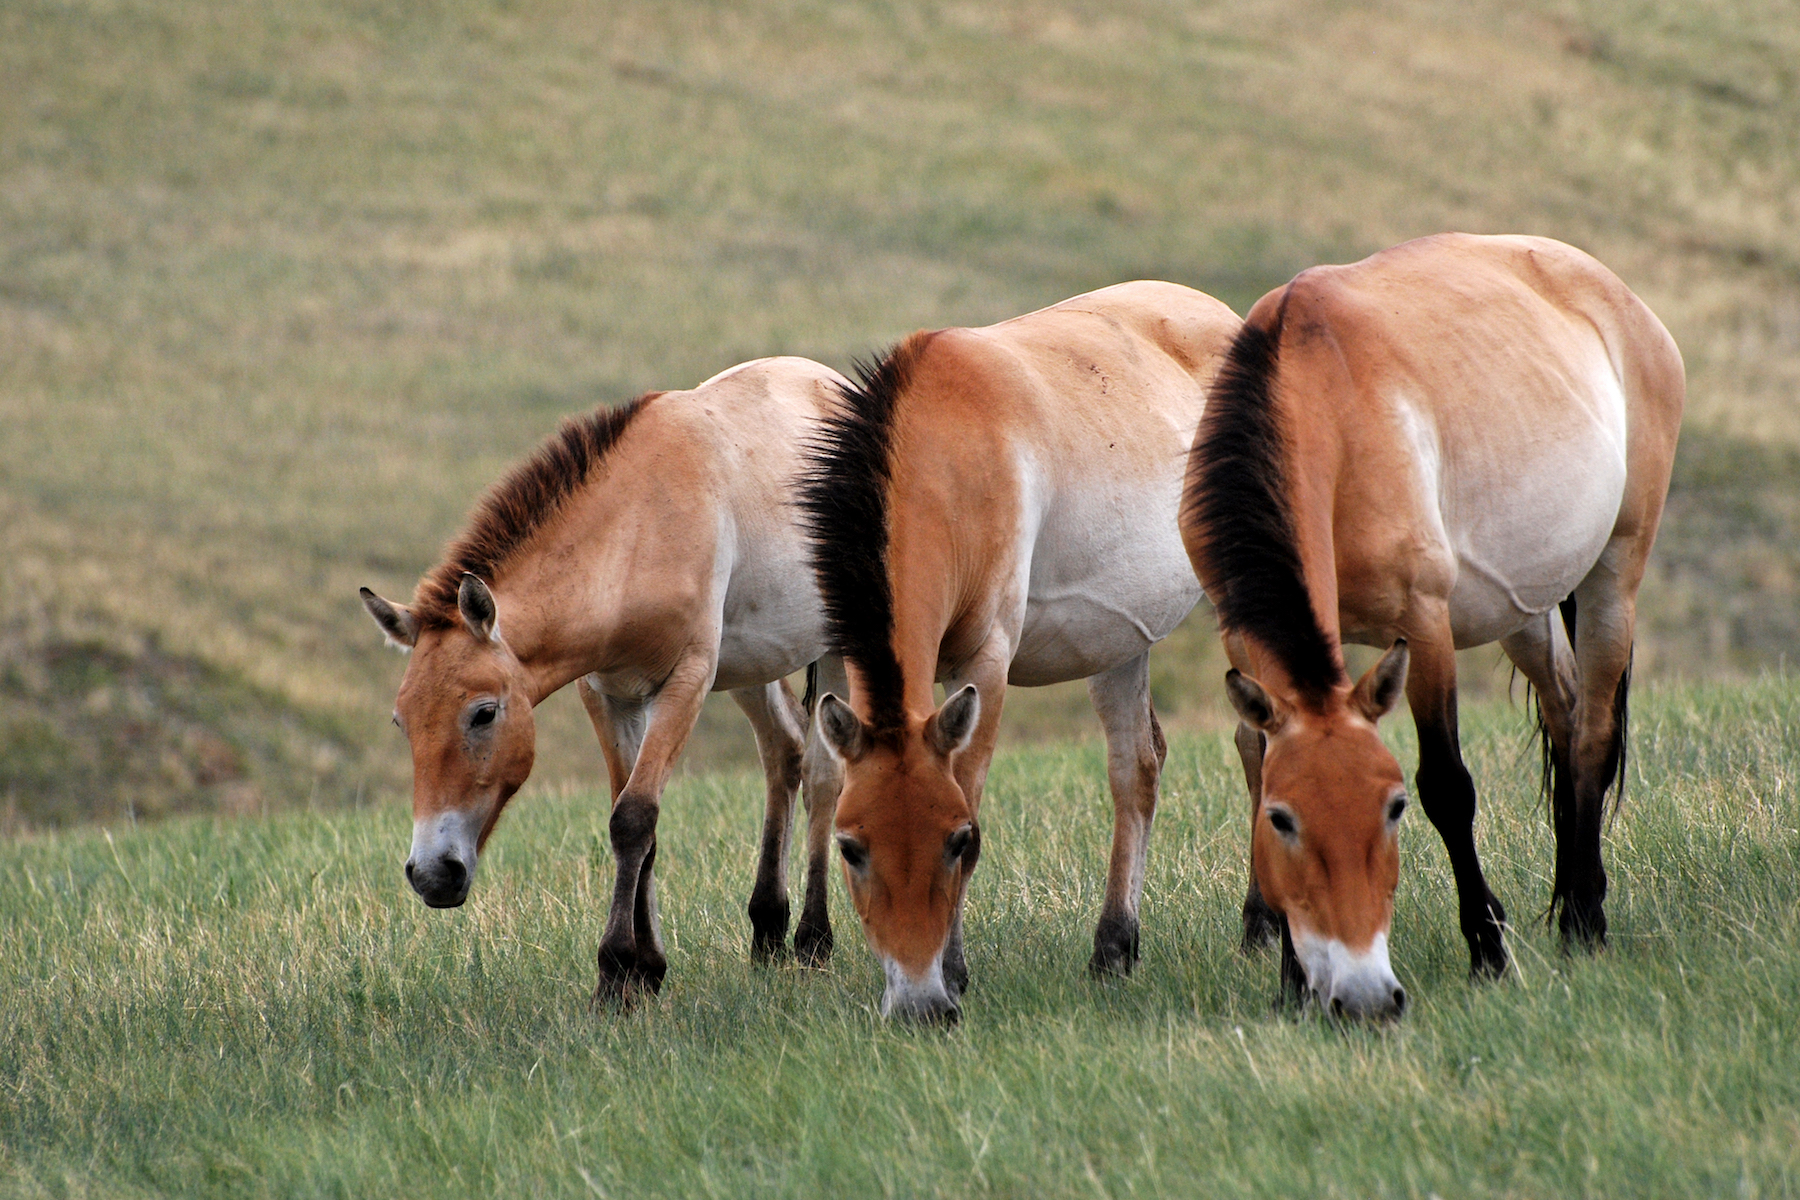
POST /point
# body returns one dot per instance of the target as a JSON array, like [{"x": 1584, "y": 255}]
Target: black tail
[
  {"x": 1622, "y": 728},
  {"x": 812, "y": 689}
]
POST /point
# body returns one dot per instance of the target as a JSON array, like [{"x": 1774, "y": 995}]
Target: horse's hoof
[
  {"x": 768, "y": 931},
  {"x": 812, "y": 945},
  {"x": 1583, "y": 927},
  {"x": 1115, "y": 949}
]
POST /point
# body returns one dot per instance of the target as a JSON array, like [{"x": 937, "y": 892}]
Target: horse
[
  {"x": 997, "y": 506},
  {"x": 1460, "y": 440},
  {"x": 648, "y": 552}
]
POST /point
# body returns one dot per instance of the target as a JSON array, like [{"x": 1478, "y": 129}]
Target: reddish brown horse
[
  {"x": 650, "y": 552},
  {"x": 998, "y": 506},
  {"x": 1458, "y": 441}
]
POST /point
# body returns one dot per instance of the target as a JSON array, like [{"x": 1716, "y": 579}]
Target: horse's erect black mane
[
  {"x": 844, "y": 506},
  {"x": 1237, "y": 497},
  {"x": 516, "y": 507}
]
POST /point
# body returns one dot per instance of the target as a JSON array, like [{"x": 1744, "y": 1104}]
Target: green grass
[
  {"x": 259, "y": 1007},
  {"x": 284, "y": 285}
]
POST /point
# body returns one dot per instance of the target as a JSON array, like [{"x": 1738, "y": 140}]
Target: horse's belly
[
  {"x": 1109, "y": 579},
  {"x": 1528, "y": 553},
  {"x": 773, "y": 623}
]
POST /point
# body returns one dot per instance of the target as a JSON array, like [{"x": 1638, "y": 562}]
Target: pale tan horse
[
  {"x": 650, "y": 552},
  {"x": 998, "y": 506},
  {"x": 1458, "y": 441}
]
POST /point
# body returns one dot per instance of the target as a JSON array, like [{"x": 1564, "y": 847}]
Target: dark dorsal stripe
[
  {"x": 524, "y": 500},
  {"x": 1237, "y": 497},
  {"x": 844, "y": 507}
]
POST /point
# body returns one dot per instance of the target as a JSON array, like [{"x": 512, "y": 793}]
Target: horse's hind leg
[
  {"x": 1542, "y": 653},
  {"x": 780, "y": 738},
  {"x": 1605, "y": 619},
  {"x": 824, "y": 777},
  {"x": 1135, "y": 752},
  {"x": 1447, "y": 793}
]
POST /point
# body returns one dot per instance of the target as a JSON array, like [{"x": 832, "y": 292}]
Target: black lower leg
[
  {"x": 628, "y": 948},
  {"x": 1262, "y": 925},
  {"x": 1447, "y": 794},
  {"x": 651, "y": 963},
  {"x": 812, "y": 937},
  {"x": 1293, "y": 975},
  {"x": 956, "y": 967},
  {"x": 768, "y": 906}
]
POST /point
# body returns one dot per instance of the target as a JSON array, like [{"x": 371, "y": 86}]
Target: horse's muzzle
[{"x": 440, "y": 882}]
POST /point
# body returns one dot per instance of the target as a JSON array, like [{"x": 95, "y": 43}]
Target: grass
[
  {"x": 258, "y": 1008},
  {"x": 283, "y": 286}
]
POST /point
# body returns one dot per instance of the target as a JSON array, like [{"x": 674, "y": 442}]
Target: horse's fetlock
[
  {"x": 768, "y": 925},
  {"x": 812, "y": 943}
]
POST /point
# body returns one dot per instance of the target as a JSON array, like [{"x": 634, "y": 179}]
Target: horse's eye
[
  {"x": 1283, "y": 822},
  {"x": 856, "y": 855},
  {"x": 484, "y": 715},
  {"x": 1396, "y": 809}
]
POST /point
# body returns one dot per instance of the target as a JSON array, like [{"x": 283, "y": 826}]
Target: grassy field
[
  {"x": 213, "y": 1007},
  {"x": 283, "y": 285}
]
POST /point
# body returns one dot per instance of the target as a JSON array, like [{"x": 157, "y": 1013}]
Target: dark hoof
[
  {"x": 1262, "y": 927},
  {"x": 1115, "y": 949},
  {"x": 768, "y": 931},
  {"x": 627, "y": 977},
  {"x": 812, "y": 945},
  {"x": 1583, "y": 926},
  {"x": 1487, "y": 944}
]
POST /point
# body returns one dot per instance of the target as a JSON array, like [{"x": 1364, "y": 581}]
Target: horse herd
[{"x": 1457, "y": 441}]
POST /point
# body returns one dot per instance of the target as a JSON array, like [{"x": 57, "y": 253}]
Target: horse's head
[
  {"x": 909, "y": 843},
  {"x": 464, "y": 708},
  {"x": 1324, "y": 845}
]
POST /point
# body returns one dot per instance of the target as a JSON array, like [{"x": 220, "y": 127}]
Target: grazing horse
[
  {"x": 1457, "y": 441},
  {"x": 650, "y": 552},
  {"x": 998, "y": 506}
]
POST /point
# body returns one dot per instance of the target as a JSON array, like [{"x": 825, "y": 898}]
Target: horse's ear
[
  {"x": 400, "y": 627},
  {"x": 1255, "y": 707},
  {"x": 949, "y": 728},
  {"x": 1378, "y": 691},
  {"x": 476, "y": 604},
  {"x": 844, "y": 731}
]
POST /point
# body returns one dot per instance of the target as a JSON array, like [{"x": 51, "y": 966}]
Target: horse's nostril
[
  {"x": 1399, "y": 1001},
  {"x": 454, "y": 872}
]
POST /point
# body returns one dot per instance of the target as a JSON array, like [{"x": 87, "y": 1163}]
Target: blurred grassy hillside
[{"x": 283, "y": 286}]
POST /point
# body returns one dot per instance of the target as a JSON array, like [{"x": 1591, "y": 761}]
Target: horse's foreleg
[
  {"x": 1262, "y": 924},
  {"x": 987, "y": 671},
  {"x": 824, "y": 779},
  {"x": 1447, "y": 793},
  {"x": 1605, "y": 619},
  {"x": 780, "y": 738},
  {"x": 1135, "y": 752},
  {"x": 631, "y": 958}
]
